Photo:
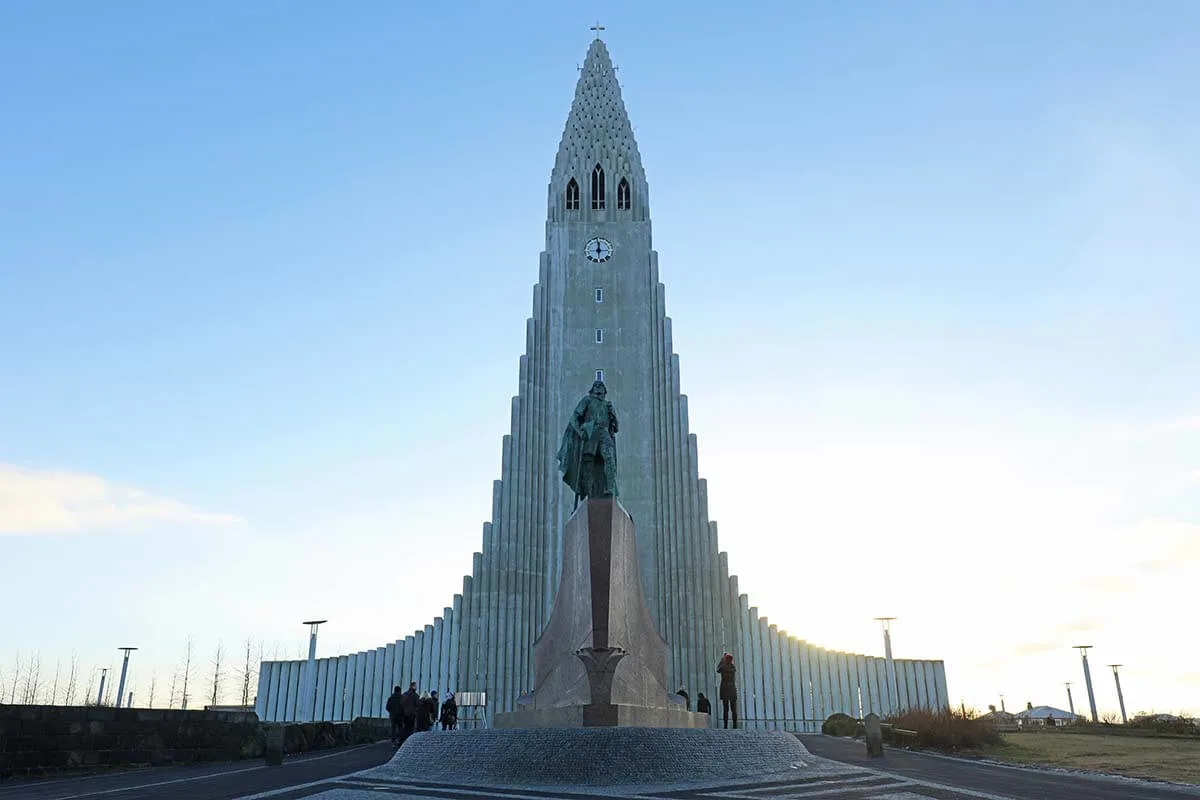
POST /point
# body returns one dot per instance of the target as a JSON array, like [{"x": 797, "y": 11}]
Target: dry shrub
[{"x": 946, "y": 730}]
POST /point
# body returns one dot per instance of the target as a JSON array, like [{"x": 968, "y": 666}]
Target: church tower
[{"x": 599, "y": 312}]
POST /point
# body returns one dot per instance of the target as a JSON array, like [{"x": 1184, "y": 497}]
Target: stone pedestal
[{"x": 600, "y": 661}]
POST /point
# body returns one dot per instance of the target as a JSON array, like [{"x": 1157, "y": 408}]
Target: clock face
[{"x": 598, "y": 250}]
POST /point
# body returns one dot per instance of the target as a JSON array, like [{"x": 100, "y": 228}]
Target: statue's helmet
[{"x": 598, "y": 388}]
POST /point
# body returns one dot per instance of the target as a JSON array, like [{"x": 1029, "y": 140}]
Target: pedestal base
[{"x": 602, "y": 715}]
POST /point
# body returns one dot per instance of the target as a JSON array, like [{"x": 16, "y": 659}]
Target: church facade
[{"x": 599, "y": 313}]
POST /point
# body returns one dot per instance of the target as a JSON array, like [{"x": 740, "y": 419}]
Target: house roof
[{"x": 1046, "y": 712}]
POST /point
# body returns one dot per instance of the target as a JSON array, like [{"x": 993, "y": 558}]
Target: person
[
  {"x": 409, "y": 707},
  {"x": 395, "y": 711},
  {"x": 449, "y": 716},
  {"x": 433, "y": 709},
  {"x": 702, "y": 704},
  {"x": 728, "y": 691},
  {"x": 424, "y": 715},
  {"x": 687, "y": 700}
]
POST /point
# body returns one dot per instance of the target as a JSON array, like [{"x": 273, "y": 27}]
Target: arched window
[
  {"x": 623, "y": 200},
  {"x": 572, "y": 195},
  {"x": 597, "y": 188}
]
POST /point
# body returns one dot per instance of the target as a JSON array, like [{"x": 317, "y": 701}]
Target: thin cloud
[{"x": 44, "y": 502}]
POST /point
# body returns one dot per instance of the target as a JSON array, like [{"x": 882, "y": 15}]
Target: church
[{"x": 599, "y": 313}]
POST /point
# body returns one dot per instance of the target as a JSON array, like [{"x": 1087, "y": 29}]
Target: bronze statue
[{"x": 587, "y": 456}]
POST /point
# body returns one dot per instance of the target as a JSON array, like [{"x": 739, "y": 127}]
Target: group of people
[
  {"x": 411, "y": 713},
  {"x": 727, "y": 692}
]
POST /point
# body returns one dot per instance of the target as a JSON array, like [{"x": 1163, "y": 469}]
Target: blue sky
[{"x": 265, "y": 268}]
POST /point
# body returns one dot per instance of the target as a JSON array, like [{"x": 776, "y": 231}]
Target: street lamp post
[
  {"x": 1120, "y": 697},
  {"x": 124, "y": 669},
  {"x": 1087, "y": 678},
  {"x": 306, "y": 708},
  {"x": 100, "y": 694},
  {"x": 893, "y": 689}
]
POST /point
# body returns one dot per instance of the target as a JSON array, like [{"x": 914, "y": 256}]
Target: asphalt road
[
  {"x": 211, "y": 781},
  {"x": 1019, "y": 784}
]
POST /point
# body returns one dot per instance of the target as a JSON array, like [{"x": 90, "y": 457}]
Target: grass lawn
[{"x": 1165, "y": 759}]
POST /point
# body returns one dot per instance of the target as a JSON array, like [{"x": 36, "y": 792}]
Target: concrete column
[
  {"x": 389, "y": 668},
  {"x": 261, "y": 694},
  {"x": 826, "y": 673},
  {"x": 874, "y": 705},
  {"x": 331, "y": 688},
  {"x": 770, "y": 691},
  {"x": 354, "y": 681},
  {"x": 787, "y": 701},
  {"x": 368, "y": 700},
  {"x": 806, "y": 686},
  {"x": 910, "y": 678},
  {"x": 452, "y": 651},
  {"x": 744, "y": 658},
  {"x": 419, "y": 660},
  {"x": 754, "y": 666},
  {"x": 382, "y": 687},
  {"x": 918, "y": 673},
  {"x": 466, "y": 624},
  {"x": 503, "y": 539},
  {"x": 798, "y": 684},
  {"x": 864, "y": 686},
  {"x": 294, "y": 676},
  {"x": 939, "y": 680},
  {"x": 318, "y": 708},
  {"x": 778, "y": 678},
  {"x": 337, "y": 690}
]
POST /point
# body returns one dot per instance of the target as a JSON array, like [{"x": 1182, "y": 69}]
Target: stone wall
[{"x": 39, "y": 739}]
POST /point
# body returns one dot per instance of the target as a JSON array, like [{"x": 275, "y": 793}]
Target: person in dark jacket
[
  {"x": 395, "y": 711},
  {"x": 702, "y": 704},
  {"x": 425, "y": 712},
  {"x": 728, "y": 690},
  {"x": 449, "y": 716},
  {"x": 409, "y": 707},
  {"x": 687, "y": 700}
]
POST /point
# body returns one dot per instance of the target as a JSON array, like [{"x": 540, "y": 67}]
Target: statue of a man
[{"x": 587, "y": 456}]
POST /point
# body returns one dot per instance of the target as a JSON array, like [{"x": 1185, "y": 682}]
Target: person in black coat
[
  {"x": 702, "y": 704},
  {"x": 409, "y": 706},
  {"x": 395, "y": 712},
  {"x": 426, "y": 711},
  {"x": 728, "y": 690},
  {"x": 449, "y": 716}
]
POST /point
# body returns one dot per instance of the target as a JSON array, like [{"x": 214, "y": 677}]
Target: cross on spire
[{"x": 597, "y": 28}]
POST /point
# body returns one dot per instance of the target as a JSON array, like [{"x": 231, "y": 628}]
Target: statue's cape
[{"x": 570, "y": 454}]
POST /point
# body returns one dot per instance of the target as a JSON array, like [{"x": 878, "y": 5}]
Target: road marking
[{"x": 301, "y": 759}]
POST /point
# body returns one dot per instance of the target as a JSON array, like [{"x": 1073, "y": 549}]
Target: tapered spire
[{"x": 598, "y": 130}]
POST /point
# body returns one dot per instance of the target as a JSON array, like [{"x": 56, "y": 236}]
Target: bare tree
[
  {"x": 218, "y": 674},
  {"x": 16, "y": 678},
  {"x": 54, "y": 687},
  {"x": 90, "y": 693},
  {"x": 187, "y": 674},
  {"x": 171, "y": 696},
  {"x": 3, "y": 685},
  {"x": 72, "y": 677},
  {"x": 250, "y": 670},
  {"x": 153, "y": 686},
  {"x": 31, "y": 685}
]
